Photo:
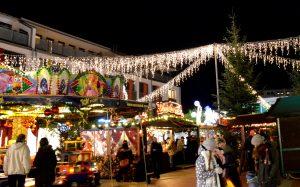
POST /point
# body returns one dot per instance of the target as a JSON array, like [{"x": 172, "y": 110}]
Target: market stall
[
  {"x": 63, "y": 107},
  {"x": 169, "y": 123},
  {"x": 287, "y": 113}
]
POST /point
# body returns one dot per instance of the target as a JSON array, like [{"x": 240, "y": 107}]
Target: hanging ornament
[
  {"x": 55, "y": 110},
  {"x": 48, "y": 112}
]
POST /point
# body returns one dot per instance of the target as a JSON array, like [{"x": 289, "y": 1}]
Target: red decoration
[
  {"x": 47, "y": 112},
  {"x": 55, "y": 110}
]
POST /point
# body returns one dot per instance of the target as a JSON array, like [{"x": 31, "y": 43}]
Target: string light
[
  {"x": 242, "y": 79},
  {"x": 178, "y": 79},
  {"x": 143, "y": 65}
]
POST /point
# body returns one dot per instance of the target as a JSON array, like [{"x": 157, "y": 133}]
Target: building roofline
[
  {"x": 61, "y": 32},
  {"x": 13, "y": 17}
]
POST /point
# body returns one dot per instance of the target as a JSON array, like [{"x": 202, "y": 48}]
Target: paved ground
[{"x": 180, "y": 178}]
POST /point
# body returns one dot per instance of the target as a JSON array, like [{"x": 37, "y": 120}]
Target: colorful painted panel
[
  {"x": 43, "y": 81},
  {"x": 13, "y": 81},
  {"x": 63, "y": 82},
  {"x": 89, "y": 84},
  {"x": 117, "y": 87}
]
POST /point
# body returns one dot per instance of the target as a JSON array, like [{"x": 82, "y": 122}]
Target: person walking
[
  {"x": 156, "y": 153},
  {"x": 17, "y": 162},
  {"x": 45, "y": 164},
  {"x": 207, "y": 169}
]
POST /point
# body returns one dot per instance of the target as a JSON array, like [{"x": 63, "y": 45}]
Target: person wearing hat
[
  {"x": 266, "y": 162},
  {"x": 17, "y": 162},
  {"x": 207, "y": 169}
]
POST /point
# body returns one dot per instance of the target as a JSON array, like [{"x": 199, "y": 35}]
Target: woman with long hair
[{"x": 207, "y": 169}]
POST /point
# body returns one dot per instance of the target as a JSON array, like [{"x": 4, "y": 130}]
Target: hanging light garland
[
  {"x": 278, "y": 60},
  {"x": 273, "y": 45},
  {"x": 269, "y": 50},
  {"x": 178, "y": 79},
  {"x": 143, "y": 65},
  {"x": 242, "y": 79}
]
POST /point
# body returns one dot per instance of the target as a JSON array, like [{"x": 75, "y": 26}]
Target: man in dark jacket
[
  {"x": 45, "y": 164},
  {"x": 156, "y": 153}
]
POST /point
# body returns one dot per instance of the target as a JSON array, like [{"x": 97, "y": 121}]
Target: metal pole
[
  {"x": 217, "y": 80},
  {"x": 144, "y": 133},
  {"x": 280, "y": 146}
]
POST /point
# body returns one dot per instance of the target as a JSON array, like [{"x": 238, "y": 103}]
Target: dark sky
[{"x": 143, "y": 27}]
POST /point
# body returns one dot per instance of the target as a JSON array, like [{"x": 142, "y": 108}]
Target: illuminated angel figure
[{"x": 198, "y": 113}]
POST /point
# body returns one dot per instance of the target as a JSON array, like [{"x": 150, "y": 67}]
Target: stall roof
[
  {"x": 285, "y": 107},
  {"x": 251, "y": 119},
  {"x": 176, "y": 123}
]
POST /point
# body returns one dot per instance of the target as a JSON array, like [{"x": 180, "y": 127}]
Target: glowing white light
[
  {"x": 211, "y": 116},
  {"x": 193, "y": 114},
  {"x": 197, "y": 103}
]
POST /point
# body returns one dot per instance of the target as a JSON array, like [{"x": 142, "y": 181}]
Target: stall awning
[
  {"x": 176, "y": 123},
  {"x": 285, "y": 107}
]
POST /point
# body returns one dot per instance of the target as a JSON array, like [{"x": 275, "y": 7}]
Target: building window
[
  {"x": 81, "y": 49},
  {"x": 154, "y": 88},
  {"x": 38, "y": 39},
  {"x": 171, "y": 94},
  {"x": 5, "y": 25},
  {"x": 23, "y": 31},
  {"x": 50, "y": 44},
  {"x": 72, "y": 46},
  {"x": 61, "y": 43}
]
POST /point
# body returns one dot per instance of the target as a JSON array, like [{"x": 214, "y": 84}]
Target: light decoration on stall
[
  {"x": 165, "y": 117},
  {"x": 273, "y": 124},
  {"x": 169, "y": 107}
]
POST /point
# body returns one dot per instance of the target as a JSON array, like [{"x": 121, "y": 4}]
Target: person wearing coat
[
  {"x": 156, "y": 154},
  {"x": 171, "y": 152},
  {"x": 45, "y": 164},
  {"x": 207, "y": 169},
  {"x": 266, "y": 162},
  {"x": 17, "y": 162}
]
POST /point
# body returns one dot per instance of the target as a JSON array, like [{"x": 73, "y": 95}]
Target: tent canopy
[{"x": 285, "y": 107}]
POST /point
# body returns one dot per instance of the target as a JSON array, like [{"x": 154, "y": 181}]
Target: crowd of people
[{"x": 218, "y": 163}]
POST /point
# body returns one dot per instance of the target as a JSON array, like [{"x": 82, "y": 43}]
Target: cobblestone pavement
[{"x": 180, "y": 178}]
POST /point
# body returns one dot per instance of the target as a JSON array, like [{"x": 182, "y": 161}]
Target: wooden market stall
[
  {"x": 282, "y": 121},
  {"x": 287, "y": 113},
  {"x": 169, "y": 123}
]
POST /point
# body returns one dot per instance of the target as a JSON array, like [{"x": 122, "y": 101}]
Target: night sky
[{"x": 144, "y": 27}]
